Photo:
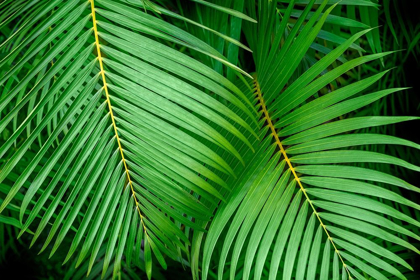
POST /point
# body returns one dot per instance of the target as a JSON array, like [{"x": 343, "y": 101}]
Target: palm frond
[
  {"x": 310, "y": 215},
  {"x": 129, "y": 118}
]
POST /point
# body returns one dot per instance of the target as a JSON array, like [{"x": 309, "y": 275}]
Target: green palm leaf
[
  {"x": 267, "y": 226},
  {"x": 126, "y": 132}
]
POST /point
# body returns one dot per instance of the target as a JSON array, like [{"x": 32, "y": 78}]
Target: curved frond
[
  {"x": 304, "y": 211},
  {"x": 129, "y": 126}
]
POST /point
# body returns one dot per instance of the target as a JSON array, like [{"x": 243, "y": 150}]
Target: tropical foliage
[{"x": 239, "y": 139}]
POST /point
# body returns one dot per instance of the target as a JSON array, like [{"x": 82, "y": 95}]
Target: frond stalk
[
  {"x": 276, "y": 138},
  {"x": 108, "y": 100}
]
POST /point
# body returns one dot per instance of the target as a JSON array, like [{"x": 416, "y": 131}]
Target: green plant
[{"x": 137, "y": 133}]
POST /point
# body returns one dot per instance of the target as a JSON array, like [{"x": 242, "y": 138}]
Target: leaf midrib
[
  {"x": 276, "y": 138},
  {"x": 108, "y": 100}
]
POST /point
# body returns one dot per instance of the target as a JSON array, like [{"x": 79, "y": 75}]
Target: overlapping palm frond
[
  {"x": 134, "y": 143},
  {"x": 129, "y": 124},
  {"x": 303, "y": 210}
]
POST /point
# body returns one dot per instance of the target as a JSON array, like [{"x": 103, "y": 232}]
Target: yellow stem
[
  {"x": 276, "y": 137},
  {"x": 108, "y": 100}
]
